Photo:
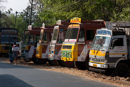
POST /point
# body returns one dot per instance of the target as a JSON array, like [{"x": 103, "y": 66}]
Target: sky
[{"x": 16, "y": 5}]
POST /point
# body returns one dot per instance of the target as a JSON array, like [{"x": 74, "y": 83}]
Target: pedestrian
[
  {"x": 11, "y": 54},
  {"x": 15, "y": 50}
]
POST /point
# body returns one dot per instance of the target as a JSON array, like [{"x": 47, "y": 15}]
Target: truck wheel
[
  {"x": 27, "y": 59},
  {"x": 109, "y": 72},
  {"x": 53, "y": 62},
  {"x": 0, "y": 55},
  {"x": 122, "y": 70},
  {"x": 69, "y": 64},
  {"x": 80, "y": 65},
  {"x": 83, "y": 65},
  {"x": 39, "y": 61}
]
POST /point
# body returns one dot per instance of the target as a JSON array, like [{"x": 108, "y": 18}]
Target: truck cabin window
[
  {"x": 54, "y": 37},
  {"x": 67, "y": 33},
  {"x": 90, "y": 34},
  {"x": 4, "y": 38},
  {"x": 61, "y": 36},
  {"x": 44, "y": 39},
  {"x": 37, "y": 37},
  {"x": 117, "y": 42},
  {"x": 13, "y": 38},
  {"x": 81, "y": 35},
  {"x": 31, "y": 39}
]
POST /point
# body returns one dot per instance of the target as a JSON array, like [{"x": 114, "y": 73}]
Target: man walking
[
  {"x": 11, "y": 54},
  {"x": 15, "y": 50}
]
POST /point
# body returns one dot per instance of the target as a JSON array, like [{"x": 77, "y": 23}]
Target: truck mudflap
[{"x": 98, "y": 65}]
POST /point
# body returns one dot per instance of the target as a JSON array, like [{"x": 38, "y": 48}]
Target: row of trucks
[{"x": 72, "y": 43}]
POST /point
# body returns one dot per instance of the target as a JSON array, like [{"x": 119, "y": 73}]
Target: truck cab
[
  {"x": 110, "y": 51},
  {"x": 42, "y": 50},
  {"x": 28, "y": 45},
  {"x": 56, "y": 43},
  {"x": 78, "y": 40}
]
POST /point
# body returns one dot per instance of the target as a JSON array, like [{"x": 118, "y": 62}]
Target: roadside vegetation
[{"x": 49, "y": 11}]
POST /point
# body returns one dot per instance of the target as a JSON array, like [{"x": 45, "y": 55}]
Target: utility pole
[
  {"x": 16, "y": 18},
  {"x": 0, "y": 18},
  {"x": 31, "y": 2}
]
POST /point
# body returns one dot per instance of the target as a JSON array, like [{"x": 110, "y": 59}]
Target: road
[{"x": 23, "y": 76}]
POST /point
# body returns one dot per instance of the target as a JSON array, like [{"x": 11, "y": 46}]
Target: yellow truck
[
  {"x": 7, "y": 37},
  {"x": 78, "y": 39}
]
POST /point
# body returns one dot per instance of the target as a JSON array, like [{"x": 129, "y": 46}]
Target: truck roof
[
  {"x": 7, "y": 29},
  {"x": 33, "y": 32}
]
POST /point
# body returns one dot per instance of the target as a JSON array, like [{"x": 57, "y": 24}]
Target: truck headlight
[{"x": 105, "y": 61}]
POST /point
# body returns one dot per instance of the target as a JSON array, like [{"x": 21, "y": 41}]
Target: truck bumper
[
  {"x": 38, "y": 56},
  {"x": 104, "y": 66}
]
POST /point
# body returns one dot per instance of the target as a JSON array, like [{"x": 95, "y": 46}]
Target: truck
[
  {"x": 56, "y": 43},
  {"x": 7, "y": 37},
  {"x": 28, "y": 44},
  {"x": 110, "y": 50},
  {"x": 78, "y": 40},
  {"x": 42, "y": 50}
]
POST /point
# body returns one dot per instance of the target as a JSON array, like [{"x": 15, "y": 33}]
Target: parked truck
[
  {"x": 42, "y": 50},
  {"x": 7, "y": 37},
  {"x": 29, "y": 41},
  {"x": 110, "y": 50},
  {"x": 56, "y": 43},
  {"x": 78, "y": 40}
]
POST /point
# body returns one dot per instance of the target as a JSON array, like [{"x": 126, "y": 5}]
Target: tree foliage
[
  {"x": 49, "y": 11},
  {"x": 108, "y": 10}
]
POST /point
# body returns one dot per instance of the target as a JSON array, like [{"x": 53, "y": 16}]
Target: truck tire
[
  {"x": 122, "y": 70},
  {"x": 109, "y": 72},
  {"x": 69, "y": 64},
  {"x": 53, "y": 62},
  {"x": 80, "y": 65},
  {"x": 0, "y": 55},
  {"x": 83, "y": 65},
  {"x": 39, "y": 61}
]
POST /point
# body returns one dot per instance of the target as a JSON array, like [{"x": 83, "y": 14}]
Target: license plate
[{"x": 95, "y": 65}]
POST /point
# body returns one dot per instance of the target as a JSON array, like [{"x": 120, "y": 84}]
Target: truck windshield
[
  {"x": 13, "y": 38},
  {"x": 4, "y": 38},
  {"x": 31, "y": 39},
  {"x": 55, "y": 34},
  {"x": 72, "y": 33},
  {"x": 101, "y": 43},
  {"x": 37, "y": 37},
  {"x": 25, "y": 40}
]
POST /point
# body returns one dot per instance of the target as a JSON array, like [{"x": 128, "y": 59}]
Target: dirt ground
[{"x": 118, "y": 81}]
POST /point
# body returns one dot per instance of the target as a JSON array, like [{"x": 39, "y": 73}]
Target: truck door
[{"x": 117, "y": 49}]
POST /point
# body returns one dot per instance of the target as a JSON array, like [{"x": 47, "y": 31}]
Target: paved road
[{"x": 22, "y": 76}]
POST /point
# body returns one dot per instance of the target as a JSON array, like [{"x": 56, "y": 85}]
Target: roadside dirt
[{"x": 100, "y": 77}]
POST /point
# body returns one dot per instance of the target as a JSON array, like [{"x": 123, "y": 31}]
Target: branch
[{"x": 30, "y": 1}]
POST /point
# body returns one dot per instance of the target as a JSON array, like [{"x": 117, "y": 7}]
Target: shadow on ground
[{"x": 11, "y": 81}]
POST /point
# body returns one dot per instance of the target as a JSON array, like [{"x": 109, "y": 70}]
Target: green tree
[{"x": 108, "y": 10}]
